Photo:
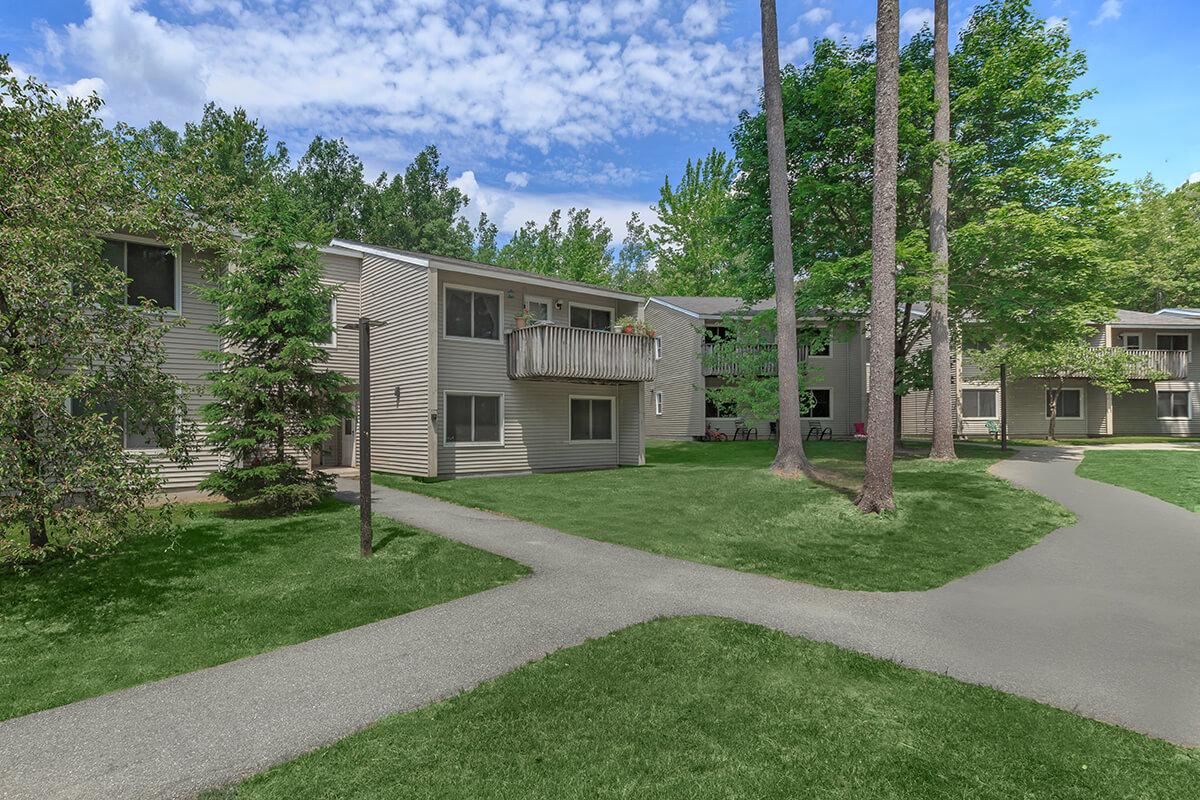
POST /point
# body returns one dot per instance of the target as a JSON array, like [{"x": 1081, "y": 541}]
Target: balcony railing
[
  {"x": 760, "y": 356},
  {"x": 1172, "y": 362},
  {"x": 556, "y": 352}
]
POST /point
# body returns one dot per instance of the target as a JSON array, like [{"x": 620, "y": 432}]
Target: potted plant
[
  {"x": 524, "y": 317},
  {"x": 627, "y": 324}
]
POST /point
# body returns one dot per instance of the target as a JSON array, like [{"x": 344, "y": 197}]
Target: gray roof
[
  {"x": 1162, "y": 319},
  {"x": 712, "y": 306},
  {"x": 500, "y": 272}
]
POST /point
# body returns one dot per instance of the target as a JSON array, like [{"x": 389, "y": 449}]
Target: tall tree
[
  {"x": 486, "y": 248},
  {"x": 419, "y": 210},
  {"x": 790, "y": 458},
  {"x": 274, "y": 402},
  {"x": 328, "y": 185},
  {"x": 939, "y": 243},
  {"x": 582, "y": 251},
  {"x": 82, "y": 359},
  {"x": 691, "y": 239},
  {"x": 632, "y": 271},
  {"x": 876, "y": 493},
  {"x": 1156, "y": 245}
]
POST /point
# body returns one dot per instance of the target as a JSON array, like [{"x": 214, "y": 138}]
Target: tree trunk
[
  {"x": 789, "y": 457},
  {"x": 876, "y": 493},
  {"x": 1053, "y": 411},
  {"x": 38, "y": 535},
  {"x": 939, "y": 244},
  {"x": 897, "y": 419}
]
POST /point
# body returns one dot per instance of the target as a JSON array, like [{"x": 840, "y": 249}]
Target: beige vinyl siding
[
  {"x": 679, "y": 376},
  {"x": 632, "y": 440},
  {"x": 184, "y": 346},
  {"x": 402, "y": 386},
  {"x": 344, "y": 272},
  {"x": 1137, "y": 413},
  {"x": 536, "y": 423}
]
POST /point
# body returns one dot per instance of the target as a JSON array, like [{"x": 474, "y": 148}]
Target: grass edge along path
[
  {"x": 225, "y": 589},
  {"x": 704, "y": 707},
  {"x": 1170, "y": 475},
  {"x": 718, "y": 503}
]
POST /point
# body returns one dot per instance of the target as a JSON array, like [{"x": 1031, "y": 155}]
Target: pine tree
[{"x": 273, "y": 401}]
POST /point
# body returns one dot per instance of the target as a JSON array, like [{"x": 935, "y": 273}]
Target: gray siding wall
[
  {"x": 344, "y": 272},
  {"x": 536, "y": 431},
  {"x": 402, "y": 372},
  {"x": 679, "y": 376},
  {"x": 1137, "y": 414}
]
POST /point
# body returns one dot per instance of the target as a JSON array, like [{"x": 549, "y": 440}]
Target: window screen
[
  {"x": 1173, "y": 405},
  {"x": 1069, "y": 404},
  {"x": 979, "y": 403},
  {"x": 151, "y": 272},
  {"x": 596, "y": 319},
  {"x": 1173, "y": 341},
  {"x": 591, "y": 419},
  {"x": 473, "y": 418}
]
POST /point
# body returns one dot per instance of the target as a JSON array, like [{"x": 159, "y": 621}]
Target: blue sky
[{"x": 538, "y": 104}]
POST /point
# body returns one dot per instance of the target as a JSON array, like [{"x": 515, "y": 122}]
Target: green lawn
[
  {"x": 1171, "y": 475},
  {"x": 699, "y": 707},
  {"x": 718, "y": 503},
  {"x": 1096, "y": 441},
  {"x": 225, "y": 589}
]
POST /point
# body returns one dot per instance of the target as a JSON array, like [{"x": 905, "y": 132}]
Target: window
[
  {"x": 657, "y": 348},
  {"x": 134, "y": 434},
  {"x": 715, "y": 410},
  {"x": 472, "y": 314},
  {"x": 596, "y": 319},
  {"x": 658, "y": 403},
  {"x": 717, "y": 333},
  {"x": 979, "y": 403},
  {"x": 1133, "y": 341},
  {"x": 152, "y": 271},
  {"x": 1174, "y": 341},
  {"x": 331, "y": 318},
  {"x": 348, "y": 426},
  {"x": 813, "y": 343},
  {"x": 820, "y": 406},
  {"x": 1174, "y": 405},
  {"x": 539, "y": 307},
  {"x": 591, "y": 419},
  {"x": 474, "y": 418},
  {"x": 1070, "y": 404}
]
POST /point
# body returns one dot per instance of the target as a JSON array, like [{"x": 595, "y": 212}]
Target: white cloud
[
  {"x": 1057, "y": 23},
  {"x": 1109, "y": 9},
  {"x": 795, "y": 50},
  {"x": 143, "y": 62},
  {"x": 517, "y": 180},
  {"x": 1194, "y": 177},
  {"x": 478, "y": 80},
  {"x": 511, "y": 209},
  {"x": 913, "y": 20},
  {"x": 835, "y": 31},
  {"x": 817, "y": 15}
]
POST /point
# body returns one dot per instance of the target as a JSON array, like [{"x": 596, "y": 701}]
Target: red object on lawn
[{"x": 860, "y": 429}]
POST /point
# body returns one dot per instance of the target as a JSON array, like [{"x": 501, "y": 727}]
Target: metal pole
[
  {"x": 364, "y": 437},
  {"x": 1003, "y": 406}
]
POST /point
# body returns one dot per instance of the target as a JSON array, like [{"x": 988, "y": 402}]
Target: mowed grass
[
  {"x": 707, "y": 708},
  {"x": 224, "y": 589},
  {"x": 1171, "y": 475},
  {"x": 1095, "y": 441},
  {"x": 718, "y": 503}
]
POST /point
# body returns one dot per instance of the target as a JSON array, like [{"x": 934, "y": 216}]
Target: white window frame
[
  {"x": 499, "y": 293},
  {"x": 446, "y": 417},
  {"x": 612, "y": 313},
  {"x": 658, "y": 348},
  {"x": 820, "y": 389},
  {"x": 128, "y": 240},
  {"x": 332, "y": 343},
  {"x": 1125, "y": 337},
  {"x": 613, "y": 427},
  {"x": 530, "y": 298},
  {"x": 658, "y": 404},
  {"x": 1082, "y": 402},
  {"x": 125, "y": 431},
  {"x": 995, "y": 390},
  {"x": 1184, "y": 392}
]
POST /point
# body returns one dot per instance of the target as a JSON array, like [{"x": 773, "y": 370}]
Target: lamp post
[
  {"x": 363, "y": 326},
  {"x": 1003, "y": 406}
]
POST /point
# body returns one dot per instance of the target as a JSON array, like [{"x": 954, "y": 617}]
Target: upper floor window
[
  {"x": 657, "y": 348},
  {"x": 539, "y": 307},
  {"x": 472, "y": 313},
  {"x": 330, "y": 340},
  {"x": 1174, "y": 341},
  {"x": 812, "y": 342},
  {"x": 596, "y": 319},
  {"x": 152, "y": 272},
  {"x": 1132, "y": 341}
]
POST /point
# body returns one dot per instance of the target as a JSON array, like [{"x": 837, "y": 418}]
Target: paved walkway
[{"x": 1102, "y": 618}]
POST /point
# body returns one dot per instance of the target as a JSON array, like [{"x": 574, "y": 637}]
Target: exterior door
[{"x": 348, "y": 431}]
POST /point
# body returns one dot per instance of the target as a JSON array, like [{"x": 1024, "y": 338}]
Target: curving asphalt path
[{"x": 1102, "y": 618}]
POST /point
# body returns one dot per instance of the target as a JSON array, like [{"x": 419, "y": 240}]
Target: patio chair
[
  {"x": 821, "y": 433},
  {"x": 860, "y": 430},
  {"x": 993, "y": 428},
  {"x": 744, "y": 431}
]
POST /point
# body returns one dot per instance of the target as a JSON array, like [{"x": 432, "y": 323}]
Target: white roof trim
[
  {"x": 1182, "y": 312},
  {"x": 378, "y": 251},
  {"x": 673, "y": 307}
]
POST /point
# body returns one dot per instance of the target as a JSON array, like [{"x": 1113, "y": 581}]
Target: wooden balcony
[
  {"x": 761, "y": 355},
  {"x": 1172, "y": 362},
  {"x": 556, "y": 352}
]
